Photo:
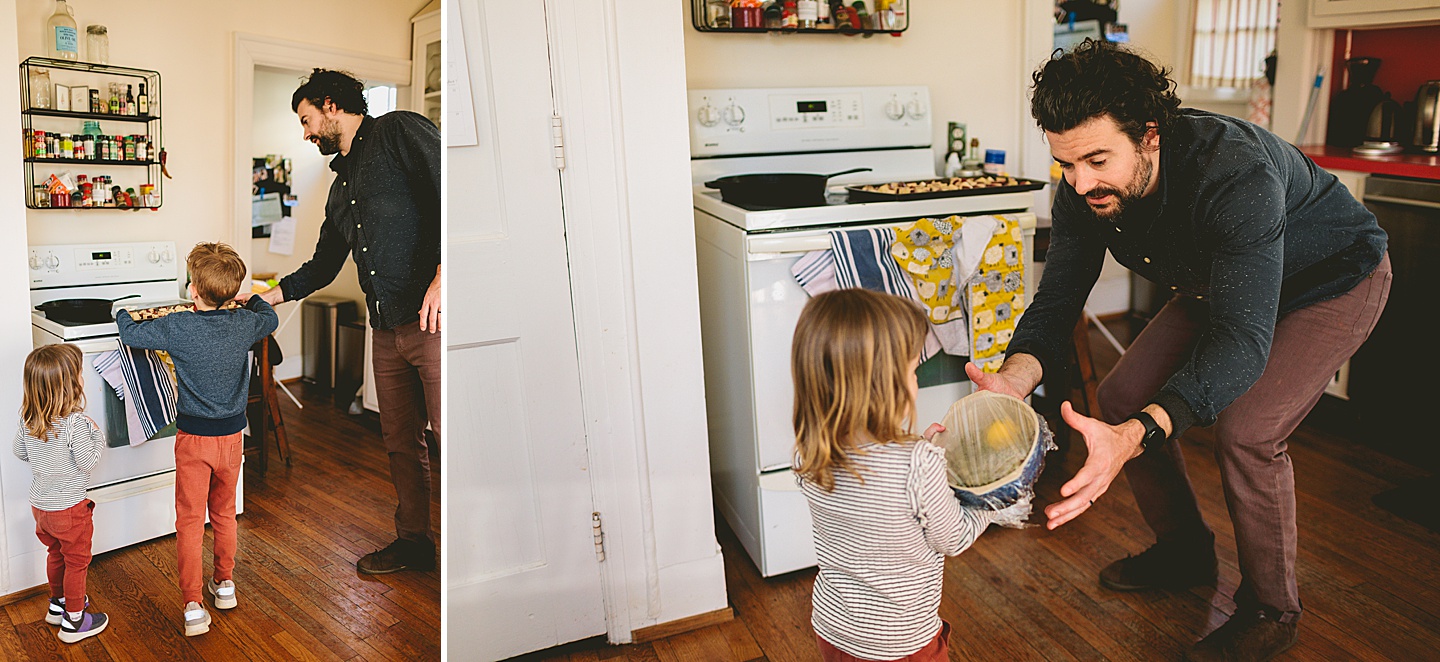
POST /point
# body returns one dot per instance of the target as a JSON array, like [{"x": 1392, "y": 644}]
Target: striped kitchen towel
[
  {"x": 862, "y": 259},
  {"x": 815, "y": 272},
  {"x": 145, "y": 382}
]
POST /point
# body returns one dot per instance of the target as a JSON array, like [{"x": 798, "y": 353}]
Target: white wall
[
  {"x": 191, "y": 45},
  {"x": 15, "y": 339},
  {"x": 277, "y": 131}
]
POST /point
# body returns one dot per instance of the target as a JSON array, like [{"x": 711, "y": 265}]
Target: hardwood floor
[
  {"x": 301, "y": 598},
  {"x": 1370, "y": 581}
]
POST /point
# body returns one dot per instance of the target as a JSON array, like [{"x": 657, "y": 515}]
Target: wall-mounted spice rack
[
  {"x": 124, "y": 139},
  {"x": 861, "y": 17}
]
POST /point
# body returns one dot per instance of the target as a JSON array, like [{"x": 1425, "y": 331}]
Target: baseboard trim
[
  {"x": 25, "y": 594},
  {"x": 681, "y": 626}
]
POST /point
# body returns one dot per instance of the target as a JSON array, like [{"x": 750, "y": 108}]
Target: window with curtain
[{"x": 1230, "y": 41}]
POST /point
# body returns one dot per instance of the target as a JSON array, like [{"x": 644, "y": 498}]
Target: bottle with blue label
[{"x": 62, "y": 39}]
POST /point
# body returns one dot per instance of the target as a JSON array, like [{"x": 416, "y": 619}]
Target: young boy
[{"x": 209, "y": 347}]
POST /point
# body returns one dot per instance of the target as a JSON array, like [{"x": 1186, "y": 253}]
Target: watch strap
[{"x": 1153, "y": 431}]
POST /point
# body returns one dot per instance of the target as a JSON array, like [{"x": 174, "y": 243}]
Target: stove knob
[
  {"x": 153, "y": 257},
  {"x": 52, "y": 262},
  {"x": 708, "y": 115},
  {"x": 915, "y": 109},
  {"x": 894, "y": 109},
  {"x": 165, "y": 256},
  {"x": 34, "y": 262},
  {"x": 734, "y": 115}
]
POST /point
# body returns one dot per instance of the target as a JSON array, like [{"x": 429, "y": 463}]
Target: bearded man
[
  {"x": 1279, "y": 275},
  {"x": 384, "y": 211}
]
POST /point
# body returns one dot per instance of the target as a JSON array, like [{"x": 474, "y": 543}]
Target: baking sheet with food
[
  {"x": 947, "y": 187},
  {"x": 156, "y": 312}
]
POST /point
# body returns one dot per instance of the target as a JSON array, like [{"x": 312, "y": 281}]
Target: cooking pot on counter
[
  {"x": 81, "y": 311},
  {"x": 776, "y": 189}
]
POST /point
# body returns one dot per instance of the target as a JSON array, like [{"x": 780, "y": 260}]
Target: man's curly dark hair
[
  {"x": 338, "y": 87},
  {"x": 1100, "y": 78}
]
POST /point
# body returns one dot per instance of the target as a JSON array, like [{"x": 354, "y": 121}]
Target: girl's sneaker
[
  {"x": 197, "y": 620},
  {"x": 224, "y": 593},
  {"x": 56, "y": 612},
  {"x": 88, "y": 625}
]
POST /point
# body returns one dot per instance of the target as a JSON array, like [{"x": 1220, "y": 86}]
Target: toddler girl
[
  {"x": 884, "y": 516},
  {"x": 62, "y": 446}
]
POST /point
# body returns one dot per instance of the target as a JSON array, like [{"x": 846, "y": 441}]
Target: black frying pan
[
  {"x": 776, "y": 189},
  {"x": 81, "y": 311}
]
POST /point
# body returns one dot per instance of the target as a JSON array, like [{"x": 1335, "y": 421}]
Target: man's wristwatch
[{"x": 1154, "y": 434}]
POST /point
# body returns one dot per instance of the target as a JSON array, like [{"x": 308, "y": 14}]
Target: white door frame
[
  {"x": 253, "y": 50},
  {"x": 616, "y": 116},
  {"x": 602, "y": 290}
]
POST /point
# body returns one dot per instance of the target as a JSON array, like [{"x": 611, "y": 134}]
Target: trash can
[
  {"x": 322, "y": 317},
  {"x": 349, "y": 362}
]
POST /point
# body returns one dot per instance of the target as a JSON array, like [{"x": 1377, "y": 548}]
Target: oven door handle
[
  {"x": 1402, "y": 201},
  {"x": 131, "y": 488},
  {"x": 769, "y": 245}
]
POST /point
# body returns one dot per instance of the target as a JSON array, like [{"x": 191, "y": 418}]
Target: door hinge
[
  {"x": 599, "y": 532},
  {"x": 557, "y": 140}
]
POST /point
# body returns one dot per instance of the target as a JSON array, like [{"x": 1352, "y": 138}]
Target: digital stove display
[
  {"x": 810, "y": 106},
  {"x": 100, "y": 255}
]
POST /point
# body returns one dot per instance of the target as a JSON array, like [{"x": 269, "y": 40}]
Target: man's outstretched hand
[{"x": 1013, "y": 383}]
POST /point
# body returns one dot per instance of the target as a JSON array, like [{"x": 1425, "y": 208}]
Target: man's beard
[
  {"x": 328, "y": 140},
  {"x": 1140, "y": 181}
]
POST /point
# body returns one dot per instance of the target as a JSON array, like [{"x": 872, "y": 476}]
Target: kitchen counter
[{"x": 1399, "y": 165}]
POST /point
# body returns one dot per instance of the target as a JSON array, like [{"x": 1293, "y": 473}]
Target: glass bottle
[
  {"x": 62, "y": 39},
  {"x": 129, "y": 99},
  {"x": 97, "y": 44},
  {"x": 40, "y": 88},
  {"x": 143, "y": 101}
]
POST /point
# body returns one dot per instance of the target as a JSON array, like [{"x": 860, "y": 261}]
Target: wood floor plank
[
  {"x": 742, "y": 643},
  {"x": 704, "y": 644}
]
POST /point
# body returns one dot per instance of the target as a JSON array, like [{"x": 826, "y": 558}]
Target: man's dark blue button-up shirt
[
  {"x": 384, "y": 209},
  {"x": 1242, "y": 221}
]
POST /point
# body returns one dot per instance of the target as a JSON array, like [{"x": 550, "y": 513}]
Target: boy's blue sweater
[{"x": 210, "y": 350}]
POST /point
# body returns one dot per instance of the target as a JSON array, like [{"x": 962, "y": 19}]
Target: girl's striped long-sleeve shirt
[
  {"x": 881, "y": 541},
  {"x": 61, "y": 463}
]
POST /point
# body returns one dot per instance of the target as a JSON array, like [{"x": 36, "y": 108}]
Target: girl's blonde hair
[
  {"x": 849, "y": 359},
  {"x": 54, "y": 387}
]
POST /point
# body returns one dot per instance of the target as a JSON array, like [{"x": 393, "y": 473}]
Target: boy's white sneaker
[
  {"x": 197, "y": 620},
  {"x": 224, "y": 593}
]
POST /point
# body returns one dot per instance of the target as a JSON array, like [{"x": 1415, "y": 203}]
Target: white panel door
[{"x": 522, "y": 569}]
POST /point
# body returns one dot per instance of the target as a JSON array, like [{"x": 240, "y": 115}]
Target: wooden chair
[{"x": 264, "y": 397}]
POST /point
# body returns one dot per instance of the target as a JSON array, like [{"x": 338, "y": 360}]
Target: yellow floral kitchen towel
[
  {"x": 926, "y": 252},
  {"x": 968, "y": 275},
  {"x": 997, "y": 294}
]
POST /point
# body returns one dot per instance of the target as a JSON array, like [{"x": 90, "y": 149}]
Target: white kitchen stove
[
  {"x": 749, "y": 301},
  {"x": 133, "y": 487}
]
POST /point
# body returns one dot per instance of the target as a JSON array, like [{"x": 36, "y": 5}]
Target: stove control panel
[
  {"x": 101, "y": 264},
  {"x": 754, "y": 121}
]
